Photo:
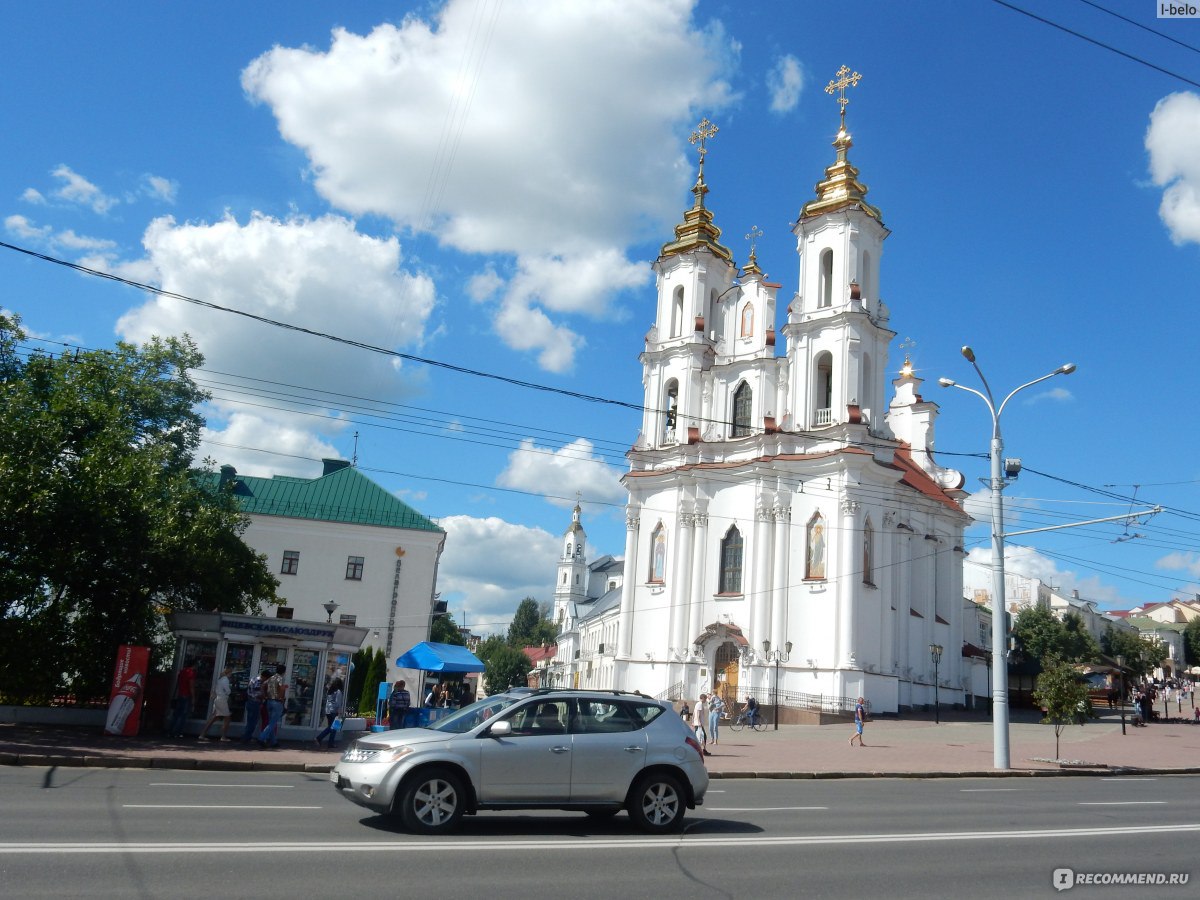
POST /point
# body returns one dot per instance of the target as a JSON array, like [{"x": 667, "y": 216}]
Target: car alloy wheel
[
  {"x": 656, "y": 803},
  {"x": 432, "y": 802}
]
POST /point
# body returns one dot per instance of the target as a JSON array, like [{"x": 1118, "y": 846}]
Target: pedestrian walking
[
  {"x": 334, "y": 701},
  {"x": 860, "y": 719},
  {"x": 181, "y": 705},
  {"x": 716, "y": 706},
  {"x": 220, "y": 707},
  {"x": 276, "y": 692},
  {"x": 399, "y": 700},
  {"x": 699, "y": 721},
  {"x": 255, "y": 694}
]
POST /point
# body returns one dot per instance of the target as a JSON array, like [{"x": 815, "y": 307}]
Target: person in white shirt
[
  {"x": 700, "y": 723},
  {"x": 220, "y": 707}
]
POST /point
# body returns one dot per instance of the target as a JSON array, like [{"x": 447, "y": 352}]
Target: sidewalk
[{"x": 913, "y": 746}]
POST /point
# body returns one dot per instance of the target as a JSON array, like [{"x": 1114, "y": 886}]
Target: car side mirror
[{"x": 501, "y": 729}]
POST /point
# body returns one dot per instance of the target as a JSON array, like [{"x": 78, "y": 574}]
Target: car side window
[
  {"x": 645, "y": 713},
  {"x": 603, "y": 717},
  {"x": 545, "y": 717}
]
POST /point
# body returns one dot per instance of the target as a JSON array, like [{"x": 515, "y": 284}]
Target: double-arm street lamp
[
  {"x": 935, "y": 653},
  {"x": 777, "y": 657},
  {"x": 331, "y": 608},
  {"x": 999, "y": 615}
]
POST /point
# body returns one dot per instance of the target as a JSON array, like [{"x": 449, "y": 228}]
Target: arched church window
[
  {"x": 568, "y": 548},
  {"x": 677, "y": 313},
  {"x": 814, "y": 538},
  {"x": 670, "y": 411},
  {"x": 825, "y": 289},
  {"x": 748, "y": 320},
  {"x": 658, "y": 553},
  {"x": 730, "y": 581},
  {"x": 564, "y": 581},
  {"x": 864, "y": 277},
  {"x": 743, "y": 401},
  {"x": 823, "y": 390},
  {"x": 868, "y": 560}
]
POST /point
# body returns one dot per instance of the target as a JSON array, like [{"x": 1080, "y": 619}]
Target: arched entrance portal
[{"x": 725, "y": 670}]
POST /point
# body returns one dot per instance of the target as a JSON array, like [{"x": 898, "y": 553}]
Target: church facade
[{"x": 787, "y": 526}]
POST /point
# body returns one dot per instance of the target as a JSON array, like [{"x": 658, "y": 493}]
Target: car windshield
[{"x": 476, "y": 714}]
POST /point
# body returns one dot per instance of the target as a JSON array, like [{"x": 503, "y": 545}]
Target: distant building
[{"x": 341, "y": 538}]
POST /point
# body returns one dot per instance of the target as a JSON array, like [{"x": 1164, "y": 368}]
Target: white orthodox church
[{"x": 787, "y": 526}]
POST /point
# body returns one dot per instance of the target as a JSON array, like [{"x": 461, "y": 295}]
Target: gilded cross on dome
[
  {"x": 703, "y": 132},
  {"x": 754, "y": 234},
  {"x": 845, "y": 78},
  {"x": 906, "y": 345}
]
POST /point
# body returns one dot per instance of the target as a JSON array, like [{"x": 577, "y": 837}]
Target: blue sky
[{"x": 485, "y": 184}]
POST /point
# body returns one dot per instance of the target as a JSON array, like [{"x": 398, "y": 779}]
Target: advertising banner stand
[{"x": 125, "y": 697}]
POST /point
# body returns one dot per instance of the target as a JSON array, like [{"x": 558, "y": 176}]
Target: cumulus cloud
[
  {"x": 785, "y": 82},
  {"x": 319, "y": 274},
  {"x": 562, "y": 472},
  {"x": 1051, "y": 395},
  {"x": 1181, "y": 562},
  {"x": 521, "y": 563},
  {"x": 24, "y": 229},
  {"x": 1029, "y": 563},
  {"x": 1173, "y": 142},
  {"x": 33, "y": 195},
  {"x": 77, "y": 189},
  {"x": 524, "y": 162}
]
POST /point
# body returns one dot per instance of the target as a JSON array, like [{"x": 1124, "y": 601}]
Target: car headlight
[{"x": 392, "y": 755}]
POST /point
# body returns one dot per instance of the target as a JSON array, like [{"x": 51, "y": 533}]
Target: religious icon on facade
[{"x": 815, "y": 567}]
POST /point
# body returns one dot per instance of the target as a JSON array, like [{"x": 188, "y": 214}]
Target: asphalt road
[{"x": 161, "y": 833}]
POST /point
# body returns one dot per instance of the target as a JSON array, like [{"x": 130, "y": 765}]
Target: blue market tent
[{"x": 431, "y": 657}]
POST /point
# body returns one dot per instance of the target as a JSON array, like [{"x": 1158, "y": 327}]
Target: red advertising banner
[{"x": 125, "y": 698}]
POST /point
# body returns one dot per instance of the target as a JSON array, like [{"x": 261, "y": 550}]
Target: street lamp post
[
  {"x": 330, "y": 608},
  {"x": 777, "y": 657},
  {"x": 1121, "y": 666},
  {"x": 999, "y": 616},
  {"x": 935, "y": 653}
]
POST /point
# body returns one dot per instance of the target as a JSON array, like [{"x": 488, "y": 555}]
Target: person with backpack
[{"x": 399, "y": 700}]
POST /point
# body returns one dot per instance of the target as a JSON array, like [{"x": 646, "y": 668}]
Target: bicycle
[{"x": 742, "y": 719}]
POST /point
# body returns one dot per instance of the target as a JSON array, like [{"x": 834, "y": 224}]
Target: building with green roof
[{"x": 344, "y": 550}]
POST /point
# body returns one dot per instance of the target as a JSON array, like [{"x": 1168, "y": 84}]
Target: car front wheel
[
  {"x": 656, "y": 803},
  {"x": 432, "y": 802}
]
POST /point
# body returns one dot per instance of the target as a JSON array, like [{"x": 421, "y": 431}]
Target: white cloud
[
  {"x": 485, "y": 285},
  {"x": 33, "y": 195},
  {"x": 785, "y": 82},
  {"x": 1028, "y": 562},
  {"x": 1173, "y": 142},
  {"x": 73, "y": 241},
  {"x": 320, "y": 274},
  {"x": 1181, "y": 562},
  {"x": 1054, "y": 395},
  {"x": 77, "y": 189},
  {"x": 520, "y": 564},
  {"x": 294, "y": 448},
  {"x": 159, "y": 188},
  {"x": 572, "y": 468},
  {"x": 525, "y": 161},
  {"x": 23, "y": 228}
]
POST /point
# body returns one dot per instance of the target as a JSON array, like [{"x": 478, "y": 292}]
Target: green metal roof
[{"x": 345, "y": 495}]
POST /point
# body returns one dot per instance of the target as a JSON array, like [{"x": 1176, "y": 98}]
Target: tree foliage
[
  {"x": 1062, "y": 695},
  {"x": 105, "y": 525},
  {"x": 444, "y": 630},
  {"x": 1141, "y": 654},
  {"x": 505, "y": 665},
  {"x": 1191, "y": 642},
  {"x": 531, "y": 626},
  {"x": 1040, "y": 636},
  {"x": 376, "y": 672}
]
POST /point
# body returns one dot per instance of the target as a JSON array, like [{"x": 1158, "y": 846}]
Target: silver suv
[{"x": 594, "y": 751}]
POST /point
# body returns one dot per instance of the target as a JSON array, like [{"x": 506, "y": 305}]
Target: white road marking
[
  {"x": 207, "y": 806},
  {"x": 604, "y": 844},
  {"x": 1128, "y": 779},
  {"x": 1122, "y": 802},
  {"x": 286, "y": 787}
]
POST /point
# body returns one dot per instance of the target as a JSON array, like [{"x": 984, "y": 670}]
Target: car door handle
[
  {"x": 560, "y": 749},
  {"x": 634, "y": 749}
]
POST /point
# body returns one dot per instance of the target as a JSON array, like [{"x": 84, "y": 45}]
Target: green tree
[
  {"x": 1040, "y": 636},
  {"x": 105, "y": 525},
  {"x": 531, "y": 626},
  {"x": 505, "y": 667},
  {"x": 359, "y": 663},
  {"x": 1062, "y": 696},
  {"x": 1191, "y": 642},
  {"x": 375, "y": 675},
  {"x": 1141, "y": 654},
  {"x": 444, "y": 630}
]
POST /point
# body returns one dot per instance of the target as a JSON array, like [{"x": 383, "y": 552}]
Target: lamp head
[
  {"x": 766, "y": 646},
  {"x": 968, "y": 354},
  {"x": 787, "y": 648},
  {"x": 1065, "y": 369},
  {"x": 947, "y": 382}
]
